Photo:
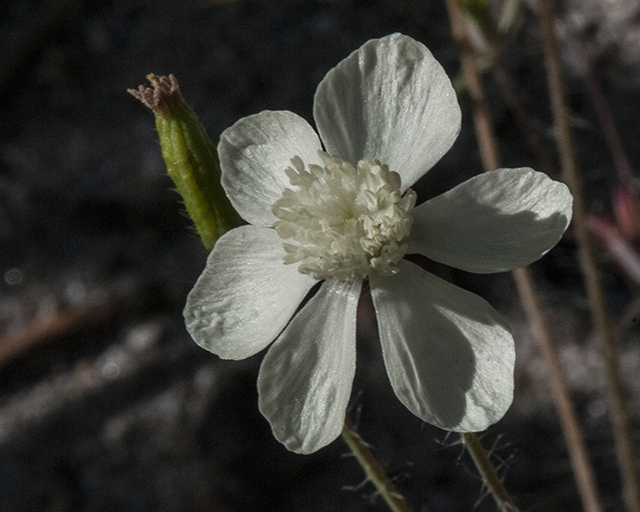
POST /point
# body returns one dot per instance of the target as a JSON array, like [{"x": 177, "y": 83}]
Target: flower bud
[{"x": 191, "y": 158}]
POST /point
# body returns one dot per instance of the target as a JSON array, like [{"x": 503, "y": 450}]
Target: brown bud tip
[{"x": 163, "y": 97}]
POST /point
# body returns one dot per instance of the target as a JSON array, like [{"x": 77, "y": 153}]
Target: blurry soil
[{"x": 105, "y": 401}]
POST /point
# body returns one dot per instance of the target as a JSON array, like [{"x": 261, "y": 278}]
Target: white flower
[{"x": 386, "y": 114}]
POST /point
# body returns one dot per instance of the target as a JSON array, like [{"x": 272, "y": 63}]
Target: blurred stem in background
[
  {"x": 595, "y": 291},
  {"x": 487, "y": 144}
]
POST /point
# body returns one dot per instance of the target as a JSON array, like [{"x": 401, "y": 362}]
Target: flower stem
[
  {"x": 488, "y": 472},
  {"x": 595, "y": 291},
  {"x": 373, "y": 470}
]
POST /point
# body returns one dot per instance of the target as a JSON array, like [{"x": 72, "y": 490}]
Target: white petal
[
  {"x": 254, "y": 154},
  {"x": 449, "y": 355},
  {"x": 305, "y": 379},
  {"x": 494, "y": 222},
  {"x": 392, "y": 101},
  {"x": 245, "y": 296}
]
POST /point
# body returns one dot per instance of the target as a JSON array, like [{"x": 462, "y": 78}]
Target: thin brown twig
[
  {"x": 595, "y": 291},
  {"x": 583, "y": 470},
  {"x": 617, "y": 246},
  {"x": 57, "y": 324},
  {"x": 582, "y": 467},
  {"x": 481, "y": 118},
  {"x": 607, "y": 124}
]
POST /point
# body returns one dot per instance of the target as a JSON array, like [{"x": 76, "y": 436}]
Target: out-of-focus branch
[{"x": 597, "y": 300}]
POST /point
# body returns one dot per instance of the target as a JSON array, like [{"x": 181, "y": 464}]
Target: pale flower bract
[{"x": 337, "y": 209}]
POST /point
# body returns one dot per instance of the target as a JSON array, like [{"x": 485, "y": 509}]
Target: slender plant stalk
[
  {"x": 488, "y": 471},
  {"x": 619, "y": 416},
  {"x": 373, "y": 470},
  {"x": 607, "y": 124},
  {"x": 582, "y": 468},
  {"x": 580, "y": 462},
  {"x": 481, "y": 117}
]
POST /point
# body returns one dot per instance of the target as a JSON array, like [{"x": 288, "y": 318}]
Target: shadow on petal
[
  {"x": 448, "y": 354},
  {"x": 494, "y": 222}
]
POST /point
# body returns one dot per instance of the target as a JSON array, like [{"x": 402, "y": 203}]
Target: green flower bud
[{"x": 191, "y": 158}]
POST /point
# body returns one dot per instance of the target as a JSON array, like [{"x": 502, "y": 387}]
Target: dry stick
[
  {"x": 582, "y": 467},
  {"x": 60, "y": 323},
  {"x": 580, "y": 461},
  {"x": 620, "y": 160},
  {"x": 615, "y": 243},
  {"x": 373, "y": 470},
  {"x": 619, "y": 417},
  {"x": 608, "y": 125}
]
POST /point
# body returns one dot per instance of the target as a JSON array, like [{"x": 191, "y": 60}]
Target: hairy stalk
[
  {"x": 373, "y": 470},
  {"x": 619, "y": 416},
  {"x": 581, "y": 464},
  {"x": 488, "y": 472}
]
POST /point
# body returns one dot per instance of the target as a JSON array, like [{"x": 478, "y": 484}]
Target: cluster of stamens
[{"x": 343, "y": 222}]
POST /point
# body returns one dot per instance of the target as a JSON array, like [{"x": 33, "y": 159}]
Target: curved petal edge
[
  {"x": 245, "y": 296},
  {"x": 449, "y": 355},
  {"x": 254, "y": 154},
  {"x": 305, "y": 379},
  {"x": 389, "y": 100},
  {"x": 494, "y": 222}
]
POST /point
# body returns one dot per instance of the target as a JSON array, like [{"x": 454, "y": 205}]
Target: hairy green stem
[
  {"x": 373, "y": 470},
  {"x": 488, "y": 472}
]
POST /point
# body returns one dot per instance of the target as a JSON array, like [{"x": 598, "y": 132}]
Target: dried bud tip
[{"x": 163, "y": 97}]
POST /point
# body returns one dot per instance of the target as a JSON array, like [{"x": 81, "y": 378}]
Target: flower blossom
[{"x": 336, "y": 208}]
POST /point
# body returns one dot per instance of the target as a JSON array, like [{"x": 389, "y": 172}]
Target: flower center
[{"x": 343, "y": 222}]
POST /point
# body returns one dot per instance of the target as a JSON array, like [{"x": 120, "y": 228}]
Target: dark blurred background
[{"x": 106, "y": 403}]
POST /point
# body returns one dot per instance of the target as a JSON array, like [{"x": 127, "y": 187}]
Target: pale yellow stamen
[{"x": 343, "y": 222}]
